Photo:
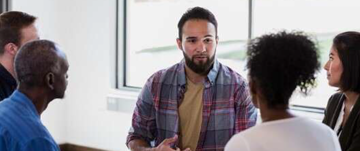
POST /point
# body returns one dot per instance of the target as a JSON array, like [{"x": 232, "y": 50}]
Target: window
[
  {"x": 4, "y": 5},
  {"x": 323, "y": 19},
  {"x": 150, "y": 32}
]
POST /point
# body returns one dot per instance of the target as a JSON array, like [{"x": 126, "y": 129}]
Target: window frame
[
  {"x": 121, "y": 56},
  {"x": 5, "y": 5}
]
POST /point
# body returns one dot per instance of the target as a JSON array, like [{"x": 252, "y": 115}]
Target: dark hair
[
  {"x": 280, "y": 62},
  {"x": 34, "y": 60},
  {"x": 347, "y": 45},
  {"x": 196, "y": 13},
  {"x": 11, "y": 24}
]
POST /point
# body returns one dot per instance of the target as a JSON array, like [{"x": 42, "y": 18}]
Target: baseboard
[{"x": 72, "y": 147}]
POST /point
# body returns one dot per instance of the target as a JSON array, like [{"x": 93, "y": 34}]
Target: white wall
[
  {"x": 85, "y": 30},
  {"x": 54, "y": 116}
]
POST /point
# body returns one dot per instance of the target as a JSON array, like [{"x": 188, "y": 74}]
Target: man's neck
[
  {"x": 7, "y": 63},
  {"x": 38, "y": 97},
  {"x": 193, "y": 77}
]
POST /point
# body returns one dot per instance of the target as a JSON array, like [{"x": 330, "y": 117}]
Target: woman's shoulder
[{"x": 335, "y": 99}]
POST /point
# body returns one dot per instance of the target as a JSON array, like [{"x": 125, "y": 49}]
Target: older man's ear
[{"x": 50, "y": 80}]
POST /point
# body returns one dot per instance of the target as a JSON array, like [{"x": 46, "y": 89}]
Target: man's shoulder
[
  {"x": 167, "y": 74},
  {"x": 3, "y": 88},
  {"x": 7, "y": 108},
  {"x": 19, "y": 122},
  {"x": 9, "y": 140},
  {"x": 22, "y": 132}
]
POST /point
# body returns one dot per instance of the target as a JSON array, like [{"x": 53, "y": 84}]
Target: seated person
[
  {"x": 343, "y": 71},
  {"x": 41, "y": 70},
  {"x": 277, "y": 64}
]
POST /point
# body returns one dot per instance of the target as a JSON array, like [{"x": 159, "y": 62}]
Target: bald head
[{"x": 41, "y": 64}]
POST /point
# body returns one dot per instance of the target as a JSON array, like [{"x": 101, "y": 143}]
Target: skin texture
[
  {"x": 53, "y": 86},
  {"x": 334, "y": 68},
  {"x": 199, "y": 42},
  {"x": 28, "y": 34}
]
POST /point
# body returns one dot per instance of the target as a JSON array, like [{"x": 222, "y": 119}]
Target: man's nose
[{"x": 201, "y": 47}]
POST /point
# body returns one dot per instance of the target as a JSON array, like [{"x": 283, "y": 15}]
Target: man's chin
[{"x": 200, "y": 61}]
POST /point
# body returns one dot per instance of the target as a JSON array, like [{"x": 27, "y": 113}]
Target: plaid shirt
[{"x": 227, "y": 107}]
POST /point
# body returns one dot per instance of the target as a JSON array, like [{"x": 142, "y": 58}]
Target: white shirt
[
  {"x": 340, "y": 119},
  {"x": 293, "y": 134}
]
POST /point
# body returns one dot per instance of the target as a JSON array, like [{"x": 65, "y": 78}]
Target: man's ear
[
  {"x": 217, "y": 40},
  {"x": 50, "y": 80},
  {"x": 11, "y": 48},
  {"x": 178, "y": 41}
]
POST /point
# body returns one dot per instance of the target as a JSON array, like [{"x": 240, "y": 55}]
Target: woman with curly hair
[
  {"x": 277, "y": 64},
  {"x": 343, "y": 71}
]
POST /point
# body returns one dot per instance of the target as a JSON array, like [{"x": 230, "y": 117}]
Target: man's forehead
[
  {"x": 198, "y": 28},
  {"x": 198, "y": 24}
]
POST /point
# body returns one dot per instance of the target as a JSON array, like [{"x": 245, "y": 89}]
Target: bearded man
[{"x": 197, "y": 104}]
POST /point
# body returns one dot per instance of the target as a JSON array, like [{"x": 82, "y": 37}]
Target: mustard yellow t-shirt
[{"x": 190, "y": 113}]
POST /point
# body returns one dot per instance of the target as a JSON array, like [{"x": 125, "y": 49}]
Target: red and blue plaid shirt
[{"x": 227, "y": 107}]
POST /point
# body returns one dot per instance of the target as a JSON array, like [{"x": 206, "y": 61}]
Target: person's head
[
  {"x": 277, "y": 64},
  {"x": 343, "y": 66},
  {"x": 198, "y": 39},
  {"x": 16, "y": 28},
  {"x": 40, "y": 64}
]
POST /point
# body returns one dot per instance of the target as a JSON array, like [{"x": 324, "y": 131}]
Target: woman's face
[{"x": 334, "y": 68}]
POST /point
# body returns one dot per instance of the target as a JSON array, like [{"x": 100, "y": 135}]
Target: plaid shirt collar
[{"x": 210, "y": 80}]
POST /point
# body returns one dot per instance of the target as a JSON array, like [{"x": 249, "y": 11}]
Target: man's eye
[
  {"x": 191, "y": 40},
  {"x": 207, "y": 40}
]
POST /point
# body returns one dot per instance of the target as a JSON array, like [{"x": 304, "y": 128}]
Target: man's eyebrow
[{"x": 190, "y": 37}]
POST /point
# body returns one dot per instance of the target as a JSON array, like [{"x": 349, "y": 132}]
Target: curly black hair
[{"x": 279, "y": 62}]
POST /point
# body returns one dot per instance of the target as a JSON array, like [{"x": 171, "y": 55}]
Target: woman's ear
[
  {"x": 50, "y": 80},
  {"x": 254, "y": 92},
  {"x": 252, "y": 86}
]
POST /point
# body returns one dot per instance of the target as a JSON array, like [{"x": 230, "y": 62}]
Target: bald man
[{"x": 41, "y": 69}]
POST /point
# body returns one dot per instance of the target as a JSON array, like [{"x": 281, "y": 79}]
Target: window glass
[
  {"x": 152, "y": 32},
  {"x": 323, "y": 19}
]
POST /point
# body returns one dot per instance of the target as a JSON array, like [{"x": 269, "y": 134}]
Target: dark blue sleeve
[{"x": 4, "y": 142}]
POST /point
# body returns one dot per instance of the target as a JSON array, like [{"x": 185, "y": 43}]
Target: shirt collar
[
  {"x": 6, "y": 75},
  {"x": 210, "y": 77},
  {"x": 21, "y": 98}
]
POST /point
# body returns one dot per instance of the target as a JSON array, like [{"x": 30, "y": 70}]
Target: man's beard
[{"x": 202, "y": 68}]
